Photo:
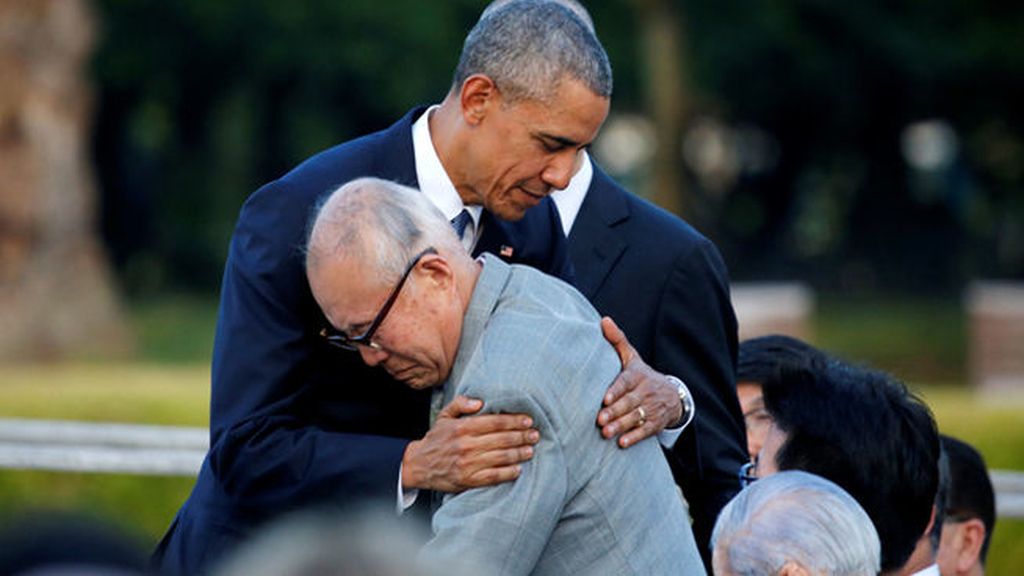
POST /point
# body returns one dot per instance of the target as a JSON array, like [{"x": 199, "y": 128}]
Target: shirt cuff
[
  {"x": 668, "y": 436},
  {"x": 406, "y": 498}
]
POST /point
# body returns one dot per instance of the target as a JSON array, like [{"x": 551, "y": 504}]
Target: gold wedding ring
[{"x": 643, "y": 416}]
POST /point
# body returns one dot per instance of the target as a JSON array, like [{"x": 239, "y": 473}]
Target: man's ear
[
  {"x": 437, "y": 270},
  {"x": 479, "y": 94},
  {"x": 972, "y": 537},
  {"x": 931, "y": 522}
]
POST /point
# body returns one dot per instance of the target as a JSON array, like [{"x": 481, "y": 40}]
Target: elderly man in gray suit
[{"x": 523, "y": 342}]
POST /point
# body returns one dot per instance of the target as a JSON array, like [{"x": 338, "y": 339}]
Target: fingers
[
  {"x": 638, "y": 387},
  {"x": 626, "y": 416},
  {"x": 461, "y": 406},
  {"x": 637, "y": 434},
  {"x": 461, "y": 453},
  {"x": 624, "y": 399},
  {"x": 617, "y": 338},
  {"x": 492, "y": 476}
]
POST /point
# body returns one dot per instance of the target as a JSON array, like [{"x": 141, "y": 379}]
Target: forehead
[
  {"x": 572, "y": 111},
  {"x": 748, "y": 392},
  {"x": 347, "y": 293}
]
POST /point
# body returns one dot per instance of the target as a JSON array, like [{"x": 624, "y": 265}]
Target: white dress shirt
[
  {"x": 569, "y": 200},
  {"x": 435, "y": 183}
]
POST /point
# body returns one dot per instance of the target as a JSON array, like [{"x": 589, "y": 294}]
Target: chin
[
  {"x": 421, "y": 382},
  {"x": 509, "y": 213}
]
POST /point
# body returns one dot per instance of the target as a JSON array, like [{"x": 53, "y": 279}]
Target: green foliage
[
  {"x": 201, "y": 102},
  {"x": 174, "y": 328}
]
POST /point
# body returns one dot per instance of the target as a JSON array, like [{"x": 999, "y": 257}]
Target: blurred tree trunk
[
  {"x": 56, "y": 294},
  {"x": 665, "y": 78}
]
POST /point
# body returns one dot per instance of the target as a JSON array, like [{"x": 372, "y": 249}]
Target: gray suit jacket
[{"x": 531, "y": 343}]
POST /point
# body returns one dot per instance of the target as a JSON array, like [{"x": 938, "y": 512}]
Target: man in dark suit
[
  {"x": 295, "y": 421},
  {"x": 667, "y": 288}
]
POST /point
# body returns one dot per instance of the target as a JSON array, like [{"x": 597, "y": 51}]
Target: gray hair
[
  {"x": 379, "y": 222},
  {"x": 528, "y": 46},
  {"x": 797, "y": 517},
  {"x": 573, "y": 5},
  {"x": 328, "y": 543}
]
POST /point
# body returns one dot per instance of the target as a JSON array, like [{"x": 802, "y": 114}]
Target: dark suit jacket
[
  {"x": 665, "y": 285},
  {"x": 294, "y": 421}
]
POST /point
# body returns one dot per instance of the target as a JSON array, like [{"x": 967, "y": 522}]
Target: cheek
[{"x": 773, "y": 441}]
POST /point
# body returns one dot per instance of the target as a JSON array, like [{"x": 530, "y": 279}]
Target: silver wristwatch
[{"x": 686, "y": 399}]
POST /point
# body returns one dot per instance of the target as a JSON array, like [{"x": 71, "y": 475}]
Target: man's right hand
[{"x": 462, "y": 453}]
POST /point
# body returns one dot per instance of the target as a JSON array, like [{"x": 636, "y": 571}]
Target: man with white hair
[
  {"x": 523, "y": 342},
  {"x": 793, "y": 524}
]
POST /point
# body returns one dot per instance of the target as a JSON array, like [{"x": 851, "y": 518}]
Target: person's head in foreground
[
  {"x": 970, "y": 511},
  {"x": 761, "y": 360},
  {"x": 394, "y": 281},
  {"x": 865, "y": 431},
  {"x": 794, "y": 523},
  {"x": 329, "y": 543}
]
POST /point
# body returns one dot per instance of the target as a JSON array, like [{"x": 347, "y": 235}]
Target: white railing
[
  {"x": 178, "y": 451},
  {"x": 101, "y": 447}
]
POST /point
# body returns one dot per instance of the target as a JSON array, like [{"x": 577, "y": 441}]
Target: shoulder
[
  {"x": 542, "y": 331},
  {"x": 278, "y": 214}
]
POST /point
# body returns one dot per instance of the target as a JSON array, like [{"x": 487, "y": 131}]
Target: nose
[
  {"x": 560, "y": 170},
  {"x": 372, "y": 356}
]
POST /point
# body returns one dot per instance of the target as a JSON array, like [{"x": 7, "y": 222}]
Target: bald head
[{"x": 378, "y": 223}]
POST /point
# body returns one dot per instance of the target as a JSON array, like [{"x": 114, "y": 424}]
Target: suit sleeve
[
  {"x": 696, "y": 340},
  {"x": 269, "y": 450},
  {"x": 504, "y": 528}
]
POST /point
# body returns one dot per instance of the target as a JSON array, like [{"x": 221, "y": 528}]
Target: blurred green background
[{"x": 873, "y": 150}]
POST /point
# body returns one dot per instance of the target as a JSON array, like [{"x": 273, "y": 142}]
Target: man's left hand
[{"x": 641, "y": 402}]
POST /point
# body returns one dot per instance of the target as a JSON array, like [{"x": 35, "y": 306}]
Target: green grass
[
  {"x": 141, "y": 393},
  {"x": 918, "y": 340}
]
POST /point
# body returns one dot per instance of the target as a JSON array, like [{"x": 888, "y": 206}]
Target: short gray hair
[
  {"x": 798, "y": 517},
  {"x": 380, "y": 222},
  {"x": 528, "y": 46},
  {"x": 573, "y": 5},
  {"x": 321, "y": 542}
]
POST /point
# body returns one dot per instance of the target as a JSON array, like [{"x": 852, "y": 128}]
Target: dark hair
[
  {"x": 762, "y": 359},
  {"x": 45, "y": 540},
  {"x": 866, "y": 432},
  {"x": 528, "y": 46},
  {"x": 970, "y": 488}
]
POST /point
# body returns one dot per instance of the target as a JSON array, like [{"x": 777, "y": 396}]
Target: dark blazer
[
  {"x": 665, "y": 285},
  {"x": 292, "y": 420}
]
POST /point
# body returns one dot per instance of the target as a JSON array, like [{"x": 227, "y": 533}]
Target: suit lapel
[
  {"x": 397, "y": 162},
  {"x": 593, "y": 247},
  {"x": 496, "y": 237}
]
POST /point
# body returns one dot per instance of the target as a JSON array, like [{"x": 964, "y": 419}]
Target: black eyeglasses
[
  {"x": 748, "y": 474},
  {"x": 342, "y": 340}
]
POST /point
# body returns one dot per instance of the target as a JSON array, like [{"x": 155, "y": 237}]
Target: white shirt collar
[
  {"x": 434, "y": 181},
  {"x": 569, "y": 200}
]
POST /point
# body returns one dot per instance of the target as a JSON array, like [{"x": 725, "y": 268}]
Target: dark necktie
[{"x": 460, "y": 222}]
